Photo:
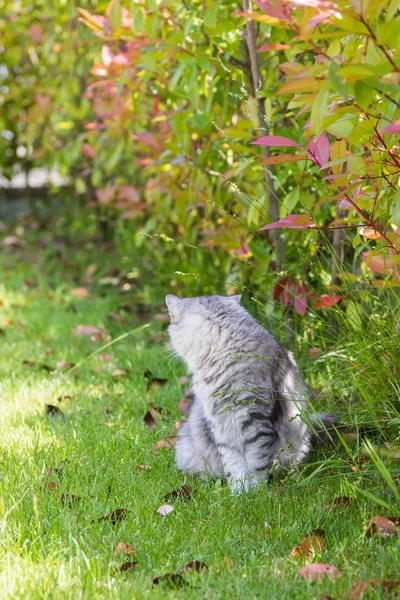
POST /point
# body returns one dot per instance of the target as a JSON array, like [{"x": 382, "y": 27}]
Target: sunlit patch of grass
[{"x": 55, "y": 549}]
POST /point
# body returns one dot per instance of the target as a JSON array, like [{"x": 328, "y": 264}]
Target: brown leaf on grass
[
  {"x": 89, "y": 331},
  {"x": 64, "y": 398},
  {"x": 339, "y": 502},
  {"x": 31, "y": 363},
  {"x": 326, "y": 597},
  {"x": 317, "y": 572},
  {"x": 156, "y": 383},
  {"x": 312, "y": 544},
  {"x": 143, "y": 467},
  {"x": 358, "y": 588},
  {"x": 195, "y": 565},
  {"x": 79, "y": 292},
  {"x": 120, "y": 373},
  {"x": 381, "y": 526},
  {"x": 115, "y": 516},
  {"x": 69, "y": 499},
  {"x": 54, "y": 411},
  {"x": 105, "y": 357},
  {"x": 184, "y": 406},
  {"x": 64, "y": 364},
  {"x": 183, "y": 492},
  {"x": 151, "y": 417},
  {"x": 123, "y": 547},
  {"x": 164, "y": 510},
  {"x": 167, "y": 442},
  {"x": 51, "y": 486},
  {"x": 173, "y": 580},
  {"x": 178, "y": 425},
  {"x": 128, "y": 566}
]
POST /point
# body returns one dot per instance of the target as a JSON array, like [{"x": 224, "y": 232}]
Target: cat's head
[{"x": 199, "y": 324}]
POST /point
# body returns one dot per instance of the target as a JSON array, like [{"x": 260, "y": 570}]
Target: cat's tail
[{"x": 323, "y": 427}]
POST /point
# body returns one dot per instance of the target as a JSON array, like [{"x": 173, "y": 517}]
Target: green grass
[{"x": 51, "y": 549}]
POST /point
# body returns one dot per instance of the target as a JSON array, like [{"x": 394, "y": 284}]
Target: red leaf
[
  {"x": 269, "y": 8},
  {"x": 339, "y": 502},
  {"x": 274, "y": 140},
  {"x": 392, "y": 128},
  {"x": 279, "y": 287},
  {"x": 268, "y": 47},
  {"x": 317, "y": 571},
  {"x": 123, "y": 547},
  {"x": 300, "y": 298},
  {"x": 88, "y": 151},
  {"x": 319, "y": 150},
  {"x": 326, "y": 301},
  {"x": 302, "y": 221},
  {"x": 286, "y": 293},
  {"x": 377, "y": 262},
  {"x": 381, "y": 526},
  {"x": 184, "y": 406}
]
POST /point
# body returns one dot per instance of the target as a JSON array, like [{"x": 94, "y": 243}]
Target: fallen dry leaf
[
  {"x": 165, "y": 509},
  {"x": 156, "y": 383},
  {"x": 128, "y": 566},
  {"x": 105, "y": 357},
  {"x": 195, "y": 565},
  {"x": 142, "y": 467},
  {"x": 54, "y": 411},
  {"x": 359, "y": 587},
  {"x": 31, "y": 363},
  {"x": 151, "y": 417},
  {"x": 172, "y": 579},
  {"x": 122, "y": 547},
  {"x": 115, "y": 516},
  {"x": 69, "y": 499},
  {"x": 64, "y": 398},
  {"x": 79, "y": 292},
  {"x": 183, "y": 492},
  {"x": 178, "y": 425},
  {"x": 381, "y": 526},
  {"x": 63, "y": 364},
  {"x": 317, "y": 571},
  {"x": 340, "y": 502},
  {"x": 88, "y": 330},
  {"x": 184, "y": 406},
  {"x": 167, "y": 442},
  {"x": 119, "y": 373},
  {"x": 311, "y": 545},
  {"x": 51, "y": 486}
]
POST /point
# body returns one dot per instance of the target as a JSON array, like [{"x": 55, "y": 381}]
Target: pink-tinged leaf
[
  {"x": 279, "y": 287},
  {"x": 274, "y": 140},
  {"x": 345, "y": 204},
  {"x": 326, "y": 301},
  {"x": 36, "y": 33},
  {"x": 300, "y": 298},
  {"x": 165, "y": 509},
  {"x": 129, "y": 193},
  {"x": 283, "y": 158},
  {"x": 392, "y": 128},
  {"x": 317, "y": 571},
  {"x": 268, "y": 47},
  {"x": 377, "y": 262},
  {"x": 106, "y": 55},
  {"x": 269, "y": 8},
  {"x": 121, "y": 59},
  {"x": 319, "y": 18},
  {"x": 87, "y": 150},
  {"x": 321, "y": 4},
  {"x": 292, "y": 222},
  {"x": 104, "y": 196},
  {"x": 319, "y": 149}
]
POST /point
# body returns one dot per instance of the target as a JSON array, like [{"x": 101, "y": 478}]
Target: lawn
[{"x": 63, "y": 475}]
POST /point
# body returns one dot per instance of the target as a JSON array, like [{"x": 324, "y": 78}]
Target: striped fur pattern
[{"x": 248, "y": 393}]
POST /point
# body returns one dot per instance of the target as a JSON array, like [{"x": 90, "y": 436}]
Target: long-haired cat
[{"x": 249, "y": 398}]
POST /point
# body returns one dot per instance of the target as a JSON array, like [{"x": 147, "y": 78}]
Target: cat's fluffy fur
[{"x": 249, "y": 397}]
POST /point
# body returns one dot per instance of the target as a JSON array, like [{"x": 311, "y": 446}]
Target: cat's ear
[
  {"x": 174, "y": 306},
  {"x": 236, "y": 298}
]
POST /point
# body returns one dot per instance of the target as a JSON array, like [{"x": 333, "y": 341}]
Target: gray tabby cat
[{"x": 248, "y": 393}]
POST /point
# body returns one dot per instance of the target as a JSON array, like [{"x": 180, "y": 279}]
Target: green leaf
[
  {"x": 319, "y": 108},
  {"x": 363, "y": 94},
  {"x": 395, "y": 210},
  {"x": 210, "y": 15},
  {"x": 337, "y": 85},
  {"x": 114, "y": 14}
]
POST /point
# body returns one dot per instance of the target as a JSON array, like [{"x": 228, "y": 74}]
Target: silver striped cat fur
[{"x": 249, "y": 398}]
